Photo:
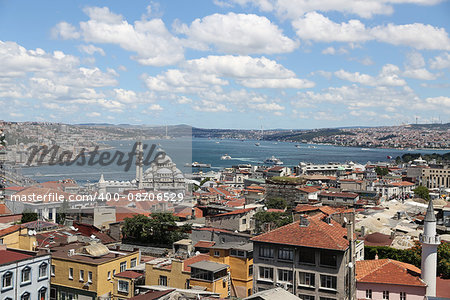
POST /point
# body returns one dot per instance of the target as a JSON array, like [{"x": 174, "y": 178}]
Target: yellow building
[
  {"x": 86, "y": 271},
  {"x": 240, "y": 259},
  {"x": 196, "y": 272},
  {"x": 17, "y": 237},
  {"x": 125, "y": 284}
]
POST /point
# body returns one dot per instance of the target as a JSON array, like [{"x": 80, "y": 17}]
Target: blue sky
[{"x": 226, "y": 64}]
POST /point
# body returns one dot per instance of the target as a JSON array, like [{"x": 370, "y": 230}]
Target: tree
[
  {"x": 381, "y": 171},
  {"x": 422, "y": 192},
  {"x": 266, "y": 221},
  {"x": 277, "y": 203},
  {"x": 28, "y": 216},
  {"x": 158, "y": 229}
]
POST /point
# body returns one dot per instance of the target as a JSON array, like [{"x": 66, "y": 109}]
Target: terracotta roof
[
  {"x": 402, "y": 183},
  {"x": 308, "y": 189},
  {"x": 276, "y": 168},
  {"x": 4, "y": 210},
  {"x": 234, "y": 212},
  {"x": 204, "y": 244},
  {"x": 9, "y": 230},
  {"x": 128, "y": 212},
  {"x": 193, "y": 260},
  {"x": 318, "y": 234},
  {"x": 275, "y": 210},
  {"x": 377, "y": 239},
  {"x": 129, "y": 274},
  {"x": 9, "y": 256},
  {"x": 305, "y": 208},
  {"x": 442, "y": 287},
  {"x": 388, "y": 271},
  {"x": 152, "y": 295}
]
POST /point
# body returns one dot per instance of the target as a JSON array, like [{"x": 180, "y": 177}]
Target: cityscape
[{"x": 239, "y": 149}]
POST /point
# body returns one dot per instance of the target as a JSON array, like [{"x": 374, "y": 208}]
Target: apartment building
[
  {"x": 87, "y": 271},
  {"x": 24, "y": 274},
  {"x": 312, "y": 258},
  {"x": 436, "y": 176}
]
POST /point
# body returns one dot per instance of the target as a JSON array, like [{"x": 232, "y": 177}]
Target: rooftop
[
  {"x": 129, "y": 274},
  {"x": 10, "y": 256},
  {"x": 209, "y": 266},
  {"x": 388, "y": 271},
  {"x": 318, "y": 234}
]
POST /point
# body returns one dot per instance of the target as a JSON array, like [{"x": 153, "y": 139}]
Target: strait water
[{"x": 209, "y": 151}]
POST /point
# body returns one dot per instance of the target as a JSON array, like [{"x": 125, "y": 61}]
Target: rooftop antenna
[
  {"x": 417, "y": 118},
  {"x": 166, "y": 132}
]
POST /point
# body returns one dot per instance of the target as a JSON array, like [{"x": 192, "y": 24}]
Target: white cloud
[
  {"x": 439, "y": 102},
  {"x": 210, "y": 106},
  {"x": 155, "y": 107},
  {"x": 150, "y": 39},
  {"x": 238, "y": 34},
  {"x": 422, "y": 74},
  {"x": 414, "y": 67},
  {"x": 316, "y": 27},
  {"x": 274, "y": 83},
  {"x": 93, "y": 114},
  {"x": 387, "y": 77},
  {"x": 364, "y": 8},
  {"x": 441, "y": 61},
  {"x": 91, "y": 49},
  {"x": 65, "y": 31},
  {"x": 268, "y": 106}
]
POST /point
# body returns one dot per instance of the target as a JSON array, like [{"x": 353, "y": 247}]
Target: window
[
  {"x": 244, "y": 221},
  {"x": 250, "y": 270},
  {"x": 307, "y": 256},
  {"x": 70, "y": 273},
  {"x": 133, "y": 263},
  {"x": 285, "y": 254},
  {"x": 25, "y": 296},
  {"x": 328, "y": 282},
  {"x": 216, "y": 253},
  {"x": 114, "y": 272},
  {"x": 42, "y": 293},
  {"x": 402, "y": 295},
  {"x": 109, "y": 275},
  {"x": 328, "y": 259},
  {"x": 285, "y": 275},
  {"x": 306, "y": 279},
  {"x": 237, "y": 253},
  {"x": 249, "y": 292},
  {"x": 306, "y": 297},
  {"x": 90, "y": 277},
  {"x": 43, "y": 270},
  {"x": 52, "y": 270},
  {"x": 81, "y": 275},
  {"x": 162, "y": 280},
  {"x": 265, "y": 252},
  {"x": 385, "y": 294},
  {"x": 368, "y": 294},
  {"x": 7, "y": 280},
  {"x": 266, "y": 273},
  {"x": 123, "y": 266},
  {"x": 26, "y": 275},
  {"x": 123, "y": 286}
]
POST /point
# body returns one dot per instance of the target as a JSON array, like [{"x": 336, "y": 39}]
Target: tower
[
  {"x": 102, "y": 186},
  {"x": 430, "y": 241},
  {"x": 139, "y": 163}
]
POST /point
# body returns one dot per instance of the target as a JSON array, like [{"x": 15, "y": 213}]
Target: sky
[{"x": 226, "y": 64}]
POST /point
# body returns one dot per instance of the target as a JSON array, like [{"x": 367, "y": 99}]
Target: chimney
[
  {"x": 363, "y": 231},
  {"x": 349, "y": 226},
  {"x": 304, "y": 222},
  {"x": 376, "y": 256}
]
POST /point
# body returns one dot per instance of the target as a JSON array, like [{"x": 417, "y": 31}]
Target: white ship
[
  {"x": 225, "y": 157},
  {"x": 273, "y": 161}
]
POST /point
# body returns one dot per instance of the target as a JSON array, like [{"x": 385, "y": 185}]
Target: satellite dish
[
  {"x": 30, "y": 232},
  {"x": 345, "y": 220}
]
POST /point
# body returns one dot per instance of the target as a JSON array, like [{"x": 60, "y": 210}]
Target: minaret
[
  {"x": 430, "y": 241},
  {"x": 102, "y": 186},
  {"x": 139, "y": 163}
]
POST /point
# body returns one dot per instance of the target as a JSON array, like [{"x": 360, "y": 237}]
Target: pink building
[{"x": 388, "y": 279}]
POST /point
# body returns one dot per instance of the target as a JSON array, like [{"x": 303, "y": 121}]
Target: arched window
[
  {"x": 26, "y": 275},
  {"x": 25, "y": 296},
  {"x": 43, "y": 270},
  {"x": 42, "y": 294},
  {"x": 7, "y": 280}
]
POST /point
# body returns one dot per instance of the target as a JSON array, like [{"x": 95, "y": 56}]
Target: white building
[{"x": 24, "y": 275}]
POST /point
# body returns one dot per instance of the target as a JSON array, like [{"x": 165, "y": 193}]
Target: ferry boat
[
  {"x": 257, "y": 144},
  {"x": 273, "y": 161},
  {"x": 198, "y": 165},
  {"x": 225, "y": 157}
]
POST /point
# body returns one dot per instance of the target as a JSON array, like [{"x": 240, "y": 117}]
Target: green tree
[
  {"x": 266, "y": 221},
  {"x": 422, "y": 192},
  {"x": 28, "y": 216},
  {"x": 277, "y": 203},
  {"x": 381, "y": 171},
  {"x": 158, "y": 229}
]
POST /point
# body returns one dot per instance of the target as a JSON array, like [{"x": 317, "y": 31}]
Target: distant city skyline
[{"x": 226, "y": 64}]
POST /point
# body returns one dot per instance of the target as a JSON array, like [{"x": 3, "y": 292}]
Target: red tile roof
[
  {"x": 129, "y": 274},
  {"x": 388, "y": 271},
  {"x": 442, "y": 287},
  {"x": 9, "y": 230},
  {"x": 402, "y": 183},
  {"x": 4, "y": 210},
  {"x": 204, "y": 244},
  {"x": 308, "y": 189},
  {"x": 234, "y": 212},
  {"x": 318, "y": 234},
  {"x": 152, "y": 295},
  {"x": 275, "y": 210},
  {"x": 305, "y": 208},
  {"x": 338, "y": 194},
  {"x": 128, "y": 212},
  {"x": 8, "y": 256}
]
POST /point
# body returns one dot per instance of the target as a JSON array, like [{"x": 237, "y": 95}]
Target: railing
[{"x": 432, "y": 240}]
